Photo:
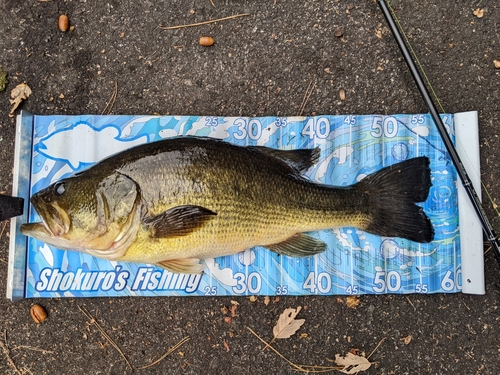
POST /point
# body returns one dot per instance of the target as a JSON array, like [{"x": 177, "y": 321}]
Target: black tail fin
[{"x": 393, "y": 193}]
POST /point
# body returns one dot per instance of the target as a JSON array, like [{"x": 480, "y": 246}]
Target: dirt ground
[{"x": 261, "y": 64}]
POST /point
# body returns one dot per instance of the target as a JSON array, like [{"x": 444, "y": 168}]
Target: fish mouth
[
  {"x": 37, "y": 229},
  {"x": 55, "y": 221}
]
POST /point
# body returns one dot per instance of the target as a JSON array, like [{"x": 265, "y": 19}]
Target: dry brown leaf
[
  {"x": 287, "y": 325},
  {"x": 479, "y": 13},
  {"x": 352, "y": 301},
  {"x": 352, "y": 363},
  {"x": 18, "y": 94},
  {"x": 267, "y": 299},
  {"x": 407, "y": 339}
]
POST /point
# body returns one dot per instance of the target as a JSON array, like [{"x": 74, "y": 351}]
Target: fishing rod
[{"x": 462, "y": 173}]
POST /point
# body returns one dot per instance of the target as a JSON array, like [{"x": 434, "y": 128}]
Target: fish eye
[{"x": 59, "y": 188}]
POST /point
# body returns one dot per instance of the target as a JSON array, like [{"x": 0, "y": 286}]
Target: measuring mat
[{"x": 52, "y": 147}]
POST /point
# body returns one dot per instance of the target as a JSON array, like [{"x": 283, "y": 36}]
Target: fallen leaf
[
  {"x": 267, "y": 299},
  {"x": 18, "y": 94},
  {"x": 407, "y": 339},
  {"x": 252, "y": 298},
  {"x": 352, "y": 363},
  {"x": 287, "y": 325},
  {"x": 235, "y": 303},
  {"x": 479, "y": 13},
  {"x": 352, "y": 301}
]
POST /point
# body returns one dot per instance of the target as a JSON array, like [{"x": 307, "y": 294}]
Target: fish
[{"x": 180, "y": 200}]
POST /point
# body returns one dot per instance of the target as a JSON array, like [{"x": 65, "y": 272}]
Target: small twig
[
  {"x": 212, "y": 2},
  {"x": 203, "y": 23},
  {"x": 414, "y": 308},
  {"x": 104, "y": 334},
  {"x": 307, "y": 95},
  {"x": 111, "y": 101},
  {"x": 373, "y": 351},
  {"x": 3, "y": 228},
  {"x": 6, "y": 352},
  {"x": 32, "y": 348},
  {"x": 169, "y": 351}
]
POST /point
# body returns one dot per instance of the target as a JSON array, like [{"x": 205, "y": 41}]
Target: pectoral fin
[
  {"x": 299, "y": 245},
  {"x": 182, "y": 265},
  {"x": 179, "y": 221}
]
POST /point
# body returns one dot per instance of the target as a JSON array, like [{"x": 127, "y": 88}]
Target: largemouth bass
[{"x": 177, "y": 201}]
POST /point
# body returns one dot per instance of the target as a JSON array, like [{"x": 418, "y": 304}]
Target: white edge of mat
[{"x": 471, "y": 232}]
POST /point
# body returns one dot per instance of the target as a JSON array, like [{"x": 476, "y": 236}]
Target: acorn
[
  {"x": 206, "y": 41},
  {"x": 63, "y": 23},
  {"x": 38, "y": 313}
]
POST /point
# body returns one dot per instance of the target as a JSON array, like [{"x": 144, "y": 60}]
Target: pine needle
[
  {"x": 204, "y": 22},
  {"x": 373, "y": 351},
  {"x": 104, "y": 334},
  {"x": 111, "y": 101},
  {"x": 307, "y": 95},
  {"x": 300, "y": 368},
  {"x": 274, "y": 350},
  {"x": 33, "y": 349},
  {"x": 6, "y": 352},
  {"x": 3, "y": 228},
  {"x": 169, "y": 351}
]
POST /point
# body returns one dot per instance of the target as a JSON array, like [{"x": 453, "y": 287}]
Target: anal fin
[
  {"x": 299, "y": 245},
  {"x": 189, "y": 266}
]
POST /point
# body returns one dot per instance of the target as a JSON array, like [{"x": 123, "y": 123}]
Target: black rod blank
[{"x": 462, "y": 173}]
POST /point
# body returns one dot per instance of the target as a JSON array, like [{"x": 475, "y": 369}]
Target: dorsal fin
[{"x": 300, "y": 160}]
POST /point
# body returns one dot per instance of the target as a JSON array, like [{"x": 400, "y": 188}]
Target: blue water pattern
[{"x": 354, "y": 263}]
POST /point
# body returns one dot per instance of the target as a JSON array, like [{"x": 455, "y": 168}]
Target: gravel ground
[{"x": 261, "y": 64}]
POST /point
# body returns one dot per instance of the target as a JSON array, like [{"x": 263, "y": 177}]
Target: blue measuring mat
[{"x": 351, "y": 147}]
